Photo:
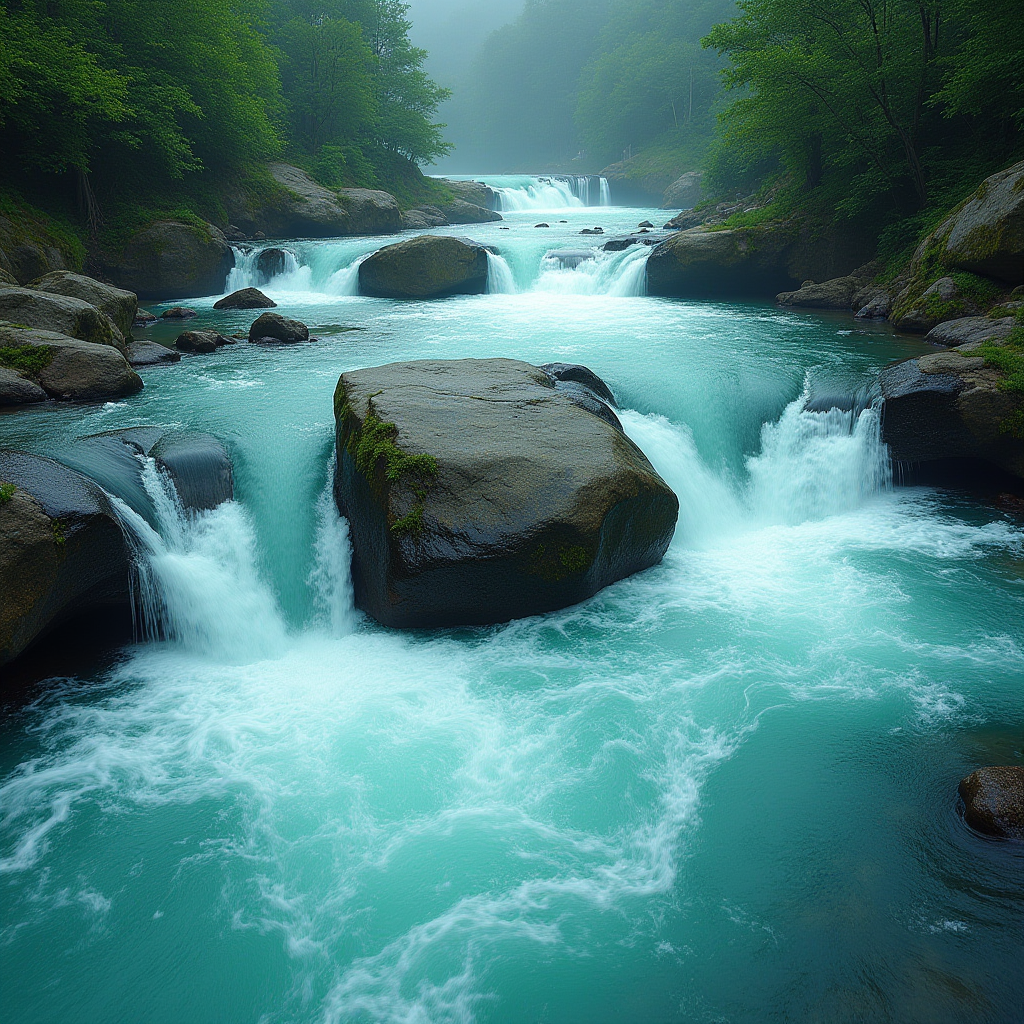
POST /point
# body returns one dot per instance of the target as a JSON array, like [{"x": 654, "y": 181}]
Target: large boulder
[
  {"x": 985, "y": 235},
  {"x": 172, "y": 259},
  {"x": 29, "y": 248},
  {"x": 702, "y": 264},
  {"x": 949, "y": 408},
  {"x": 121, "y": 306},
  {"x": 460, "y": 212},
  {"x": 61, "y": 314},
  {"x": 994, "y": 801},
  {"x": 62, "y": 551},
  {"x": 150, "y": 353},
  {"x": 478, "y": 492},
  {"x": 475, "y": 192},
  {"x": 426, "y": 267},
  {"x": 684, "y": 192},
  {"x": 301, "y": 208},
  {"x": 245, "y": 298},
  {"x": 835, "y": 294},
  {"x": 272, "y": 327},
  {"x": 971, "y": 330},
  {"x": 423, "y": 217},
  {"x": 201, "y": 342},
  {"x": 66, "y": 367},
  {"x": 17, "y": 389}
]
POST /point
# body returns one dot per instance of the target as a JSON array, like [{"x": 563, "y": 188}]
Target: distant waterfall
[
  {"x": 558, "y": 192},
  {"x": 499, "y": 276}
]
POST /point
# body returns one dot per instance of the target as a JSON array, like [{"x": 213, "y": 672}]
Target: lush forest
[{"x": 119, "y": 107}]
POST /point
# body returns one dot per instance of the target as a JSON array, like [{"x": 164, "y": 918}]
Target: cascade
[
  {"x": 499, "y": 276},
  {"x": 558, "y": 192},
  {"x": 619, "y": 274}
]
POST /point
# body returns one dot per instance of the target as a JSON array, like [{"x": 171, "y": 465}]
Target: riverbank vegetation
[{"x": 115, "y": 112}]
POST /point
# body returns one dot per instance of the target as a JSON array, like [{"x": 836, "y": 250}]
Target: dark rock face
[
  {"x": 61, "y": 314},
  {"x": 581, "y": 375},
  {"x": 703, "y": 264},
  {"x": 200, "y": 467},
  {"x": 18, "y": 390},
  {"x": 423, "y": 217},
  {"x": 272, "y": 327},
  {"x": 271, "y": 262},
  {"x": 119, "y": 305},
  {"x": 619, "y": 244},
  {"x": 994, "y": 801},
  {"x": 149, "y": 353},
  {"x": 245, "y": 298},
  {"x": 949, "y": 406},
  {"x": 174, "y": 259},
  {"x": 427, "y": 267},
  {"x": 62, "y": 551},
  {"x": 178, "y": 313},
  {"x": 460, "y": 212},
  {"x": 478, "y": 492},
  {"x": 68, "y": 368},
  {"x": 201, "y": 342}
]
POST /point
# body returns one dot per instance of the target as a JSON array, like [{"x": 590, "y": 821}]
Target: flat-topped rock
[
  {"x": 479, "y": 492},
  {"x": 426, "y": 267}
]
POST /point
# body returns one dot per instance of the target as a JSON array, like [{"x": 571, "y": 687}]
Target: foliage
[
  {"x": 30, "y": 360},
  {"x": 7, "y": 492}
]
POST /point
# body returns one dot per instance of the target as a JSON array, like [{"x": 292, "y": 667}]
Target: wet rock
[
  {"x": 475, "y": 192},
  {"x": 69, "y": 368},
  {"x": 18, "y": 390},
  {"x": 426, "y": 267},
  {"x": 272, "y": 327},
  {"x": 143, "y": 318},
  {"x": 994, "y": 801},
  {"x": 570, "y": 259},
  {"x": 178, "y": 313},
  {"x": 949, "y": 406},
  {"x": 423, "y": 217},
  {"x": 592, "y": 231},
  {"x": 624, "y": 242},
  {"x": 645, "y": 224},
  {"x": 581, "y": 375},
  {"x": 478, "y": 492},
  {"x": 201, "y": 342},
  {"x": 149, "y": 353},
  {"x": 272, "y": 262},
  {"x": 542, "y": 225},
  {"x": 835, "y": 294},
  {"x": 684, "y": 193},
  {"x": 460, "y": 212},
  {"x": 62, "y": 551},
  {"x": 873, "y": 303},
  {"x": 245, "y": 298},
  {"x": 62, "y": 314},
  {"x": 119, "y": 305},
  {"x": 171, "y": 258},
  {"x": 199, "y": 466}
]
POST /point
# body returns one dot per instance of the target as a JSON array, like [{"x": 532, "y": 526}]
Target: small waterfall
[
  {"x": 247, "y": 273},
  {"x": 197, "y": 581},
  {"x": 606, "y": 193},
  {"x": 346, "y": 280},
  {"x": 499, "y": 276},
  {"x": 331, "y": 576},
  {"x": 558, "y": 192},
  {"x": 619, "y": 275}
]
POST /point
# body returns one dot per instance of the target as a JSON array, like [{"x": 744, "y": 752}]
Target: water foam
[{"x": 499, "y": 276}]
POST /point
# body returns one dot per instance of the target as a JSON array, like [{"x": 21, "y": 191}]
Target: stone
[
  {"x": 684, "y": 193},
  {"x": 18, "y": 390},
  {"x": 200, "y": 342},
  {"x": 120, "y": 305},
  {"x": 143, "y": 318},
  {"x": 645, "y": 224},
  {"x": 970, "y": 330},
  {"x": 641, "y": 238},
  {"x": 169, "y": 258},
  {"x": 72, "y": 369},
  {"x": 233, "y": 233},
  {"x": 946, "y": 408},
  {"x": 272, "y": 327},
  {"x": 178, "y": 313},
  {"x": 271, "y": 262},
  {"x": 570, "y": 259},
  {"x": 460, "y": 212},
  {"x": 994, "y": 801},
  {"x": 245, "y": 298},
  {"x": 62, "y": 314},
  {"x": 6, "y": 278},
  {"x": 985, "y": 235},
  {"x": 873, "y": 303},
  {"x": 939, "y": 302},
  {"x": 475, "y": 192},
  {"x": 581, "y": 375},
  {"x": 835, "y": 294},
  {"x": 543, "y": 224},
  {"x": 425, "y": 267},
  {"x": 62, "y": 551},
  {"x": 149, "y": 353},
  {"x": 478, "y": 492},
  {"x": 423, "y": 217},
  {"x": 701, "y": 264},
  {"x": 685, "y": 221}
]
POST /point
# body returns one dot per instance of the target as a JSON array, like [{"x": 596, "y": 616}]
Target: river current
[{"x": 723, "y": 790}]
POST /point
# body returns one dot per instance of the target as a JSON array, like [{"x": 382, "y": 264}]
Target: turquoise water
[{"x": 722, "y": 790}]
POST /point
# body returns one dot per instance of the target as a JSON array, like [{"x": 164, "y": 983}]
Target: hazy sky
[{"x": 452, "y": 31}]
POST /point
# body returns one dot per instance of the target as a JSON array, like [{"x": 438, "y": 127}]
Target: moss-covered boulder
[
  {"x": 119, "y": 305},
  {"x": 66, "y": 367},
  {"x": 173, "y": 259},
  {"x": 62, "y": 314},
  {"x": 950, "y": 412},
  {"x": 478, "y": 492},
  {"x": 985, "y": 234},
  {"x": 426, "y": 267},
  {"x": 31, "y": 245},
  {"x": 702, "y": 264},
  {"x": 62, "y": 551}
]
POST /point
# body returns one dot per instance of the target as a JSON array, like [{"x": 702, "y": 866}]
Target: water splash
[
  {"x": 331, "y": 576},
  {"x": 558, "y": 192},
  {"x": 620, "y": 274},
  {"x": 499, "y": 276}
]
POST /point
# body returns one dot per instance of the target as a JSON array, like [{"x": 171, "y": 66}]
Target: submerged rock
[
  {"x": 150, "y": 353},
  {"x": 178, "y": 313},
  {"x": 245, "y": 298},
  {"x": 272, "y": 327},
  {"x": 426, "y": 267},
  {"x": 62, "y": 314},
  {"x": 121, "y": 306},
  {"x": 67, "y": 367},
  {"x": 478, "y": 492},
  {"x": 201, "y": 342},
  {"x": 62, "y": 551},
  {"x": 994, "y": 801}
]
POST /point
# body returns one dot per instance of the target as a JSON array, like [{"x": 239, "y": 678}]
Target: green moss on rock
[
  {"x": 29, "y": 360},
  {"x": 6, "y": 493}
]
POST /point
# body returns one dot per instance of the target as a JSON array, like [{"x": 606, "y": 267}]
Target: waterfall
[
  {"x": 606, "y": 193},
  {"x": 499, "y": 276},
  {"x": 619, "y": 274},
  {"x": 346, "y": 280},
  {"x": 247, "y": 274},
  {"x": 197, "y": 583},
  {"x": 331, "y": 577},
  {"x": 558, "y": 192}
]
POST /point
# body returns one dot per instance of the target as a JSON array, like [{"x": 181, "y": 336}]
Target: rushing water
[{"x": 722, "y": 790}]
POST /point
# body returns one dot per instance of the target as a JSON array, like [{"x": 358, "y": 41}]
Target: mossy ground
[
  {"x": 1008, "y": 359},
  {"x": 29, "y": 360},
  {"x": 6, "y": 492}
]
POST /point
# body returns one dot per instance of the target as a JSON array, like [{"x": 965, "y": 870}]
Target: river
[{"x": 721, "y": 791}]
